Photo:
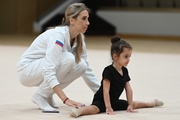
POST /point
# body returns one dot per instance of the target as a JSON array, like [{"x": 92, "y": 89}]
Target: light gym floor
[{"x": 154, "y": 70}]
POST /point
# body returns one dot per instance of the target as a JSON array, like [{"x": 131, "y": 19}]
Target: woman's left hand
[{"x": 74, "y": 104}]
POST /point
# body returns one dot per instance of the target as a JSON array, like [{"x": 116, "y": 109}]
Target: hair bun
[{"x": 115, "y": 39}]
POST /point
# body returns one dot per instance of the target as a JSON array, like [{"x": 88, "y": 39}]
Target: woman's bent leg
[
  {"x": 32, "y": 76},
  {"x": 31, "y": 81},
  {"x": 42, "y": 102},
  {"x": 67, "y": 73},
  {"x": 77, "y": 71}
]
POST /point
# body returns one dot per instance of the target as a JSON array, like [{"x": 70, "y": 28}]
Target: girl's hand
[
  {"x": 109, "y": 111},
  {"x": 74, "y": 104},
  {"x": 130, "y": 109}
]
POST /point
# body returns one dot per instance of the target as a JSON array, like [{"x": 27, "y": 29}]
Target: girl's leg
[
  {"x": 123, "y": 104},
  {"x": 87, "y": 110},
  {"x": 154, "y": 103},
  {"x": 119, "y": 105}
]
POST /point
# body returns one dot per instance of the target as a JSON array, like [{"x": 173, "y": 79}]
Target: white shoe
[
  {"x": 52, "y": 102},
  {"x": 43, "y": 104}
]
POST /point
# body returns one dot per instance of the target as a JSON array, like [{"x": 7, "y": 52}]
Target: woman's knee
[
  {"x": 25, "y": 82},
  {"x": 68, "y": 58},
  {"x": 82, "y": 66},
  {"x": 30, "y": 81}
]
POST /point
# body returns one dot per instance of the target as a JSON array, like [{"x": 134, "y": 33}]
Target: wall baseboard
[{"x": 152, "y": 37}]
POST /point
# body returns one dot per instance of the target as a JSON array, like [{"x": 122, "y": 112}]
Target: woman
[{"x": 56, "y": 58}]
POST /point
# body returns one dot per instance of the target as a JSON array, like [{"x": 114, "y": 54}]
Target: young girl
[{"x": 115, "y": 80}]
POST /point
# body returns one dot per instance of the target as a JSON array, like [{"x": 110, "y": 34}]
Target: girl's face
[
  {"x": 81, "y": 22},
  {"x": 124, "y": 58}
]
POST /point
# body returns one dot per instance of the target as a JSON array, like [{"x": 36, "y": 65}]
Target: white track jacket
[{"x": 44, "y": 46}]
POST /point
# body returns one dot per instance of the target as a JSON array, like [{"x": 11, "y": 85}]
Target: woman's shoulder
[
  {"x": 62, "y": 29},
  {"x": 58, "y": 31}
]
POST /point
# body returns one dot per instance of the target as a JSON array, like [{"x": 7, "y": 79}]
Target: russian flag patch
[{"x": 59, "y": 43}]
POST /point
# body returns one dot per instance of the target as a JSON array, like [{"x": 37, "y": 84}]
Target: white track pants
[{"x": 68, "y": 71}]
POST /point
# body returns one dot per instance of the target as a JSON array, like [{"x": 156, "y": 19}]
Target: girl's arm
[
  {"x": 106, "y": 88},
  {"x": 129, "y": 96}
]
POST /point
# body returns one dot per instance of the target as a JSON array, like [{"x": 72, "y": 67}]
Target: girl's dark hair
[{"x": 118, "y": 45}]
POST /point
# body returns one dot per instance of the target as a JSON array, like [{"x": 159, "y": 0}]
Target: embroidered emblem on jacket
[{"x": 59, "y": 43}]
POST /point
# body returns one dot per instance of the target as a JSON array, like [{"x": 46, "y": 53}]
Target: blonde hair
[{"x": 73, "y": 11}]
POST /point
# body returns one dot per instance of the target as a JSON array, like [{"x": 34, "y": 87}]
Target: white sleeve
[
  {"x": 52, "y": 59},
  {"x": 89, "y": 76}
]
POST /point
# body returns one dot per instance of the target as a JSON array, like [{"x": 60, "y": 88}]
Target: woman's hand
[
  {"x": 109, "y": 111},
  {"x": 74, "y": 104},
  {"x": 65, "y": 99},
  {"x": 130, "y": 109}
]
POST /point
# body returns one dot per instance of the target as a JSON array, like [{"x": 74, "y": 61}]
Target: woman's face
[{"x": 81, "y": 22}]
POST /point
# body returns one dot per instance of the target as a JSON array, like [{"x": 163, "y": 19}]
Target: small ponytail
[{"x": 115, "y": 39}]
